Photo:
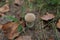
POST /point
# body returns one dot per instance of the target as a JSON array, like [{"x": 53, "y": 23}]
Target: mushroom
[{"x": 30, "y": 17}]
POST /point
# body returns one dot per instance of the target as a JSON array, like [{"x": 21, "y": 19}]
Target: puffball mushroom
[{"x": 30, "y": 17}]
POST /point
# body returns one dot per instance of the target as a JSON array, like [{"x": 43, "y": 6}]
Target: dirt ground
[{"x": 41, "y": 30}]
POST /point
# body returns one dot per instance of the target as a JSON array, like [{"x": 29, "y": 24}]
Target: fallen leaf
[
  {"x": 12, "y": 36},
  {"x": 1, "y": 26},
  {"x": 5, "y": 8},
  {"x": 51, "y": 38},
  {"x": 1, "y": 14},
  {"x": 58, "y": 24},
  {"x": 24, "y": 38},
  {"x": 10, "y": 29},
  {"x": 47, "y": 17},
  {"x": 17, "y": 2}
]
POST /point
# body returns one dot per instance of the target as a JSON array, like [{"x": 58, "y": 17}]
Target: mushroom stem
[{"x": 29, "y": 24}]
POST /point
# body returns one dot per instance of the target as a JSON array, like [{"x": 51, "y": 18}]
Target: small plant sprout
[{"x": 30, "y": 18}]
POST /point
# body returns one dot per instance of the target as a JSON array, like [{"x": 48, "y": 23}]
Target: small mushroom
[{"x": 30, "y": 17}]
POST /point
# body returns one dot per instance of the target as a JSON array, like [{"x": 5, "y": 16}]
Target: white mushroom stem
[{"x": 30, "y": 24}]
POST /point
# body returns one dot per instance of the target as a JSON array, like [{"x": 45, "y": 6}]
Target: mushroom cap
[{"x": 30, "y": 17}]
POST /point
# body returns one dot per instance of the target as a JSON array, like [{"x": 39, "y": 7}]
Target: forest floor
[{"x": 46, "y": 26}]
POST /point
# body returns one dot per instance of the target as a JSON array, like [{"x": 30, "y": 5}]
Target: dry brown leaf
[
  {"x": 58, "y": 24},
  {"x": 10, "y": 29},
  {"x": 24, "y": 38},
  {"x": 51, "y": 38},
  {"x": 1, "y": 14},
  {"x": 12, "y": 36},
  {"x": 1, "y": 26},
  {"x": 47, "y": 17},
  {"x": 20, "y": 38},
  {"x": 17, "y": 1},
  {"x": 5, "y": 8}
]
